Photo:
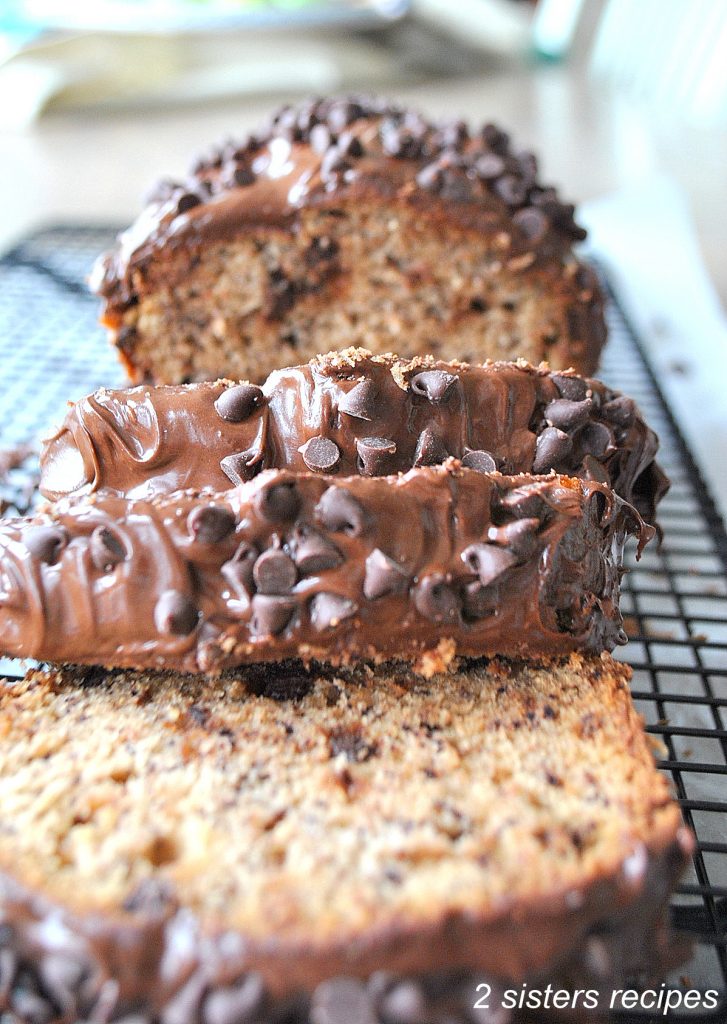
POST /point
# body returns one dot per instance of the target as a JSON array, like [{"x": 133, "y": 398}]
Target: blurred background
[{"x": 624, "y": 101}]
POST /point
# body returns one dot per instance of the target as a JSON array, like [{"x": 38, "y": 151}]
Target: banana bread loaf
[
  {"x": 161, "y": 836},
  {"x": 352, "y": 412},
  {"x": 354, "y": 220},
  {"x": 426, "y": 565}
]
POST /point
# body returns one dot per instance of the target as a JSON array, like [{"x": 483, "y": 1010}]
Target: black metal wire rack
[{"x": 675, "y": 598}]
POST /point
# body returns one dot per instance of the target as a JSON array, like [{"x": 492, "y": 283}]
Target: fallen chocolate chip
[
  {"x": 278, "y": 503},
  {"x": 208, "y": 524},
  {"x": 480, "y": 461},
  {"x": 187, "y": 201},
  {"x": 383, "y": 576},
  {"x": 404, "y": 1003},
  {"x": 436, "y": 599},
  {"x": 312, "y": 552},
  {"x": 274, "y": 572},
  {"x": 621, "y": 411},
  {"x": 361, "y": 401},
  {"x": 45, "y": 542},
  {"x": 236, "y": 1004},
  {"x": 511, "y": 189},
  {"x": 241, "y": 467},
  {"x": 430, "y": 449},
  {"x": 552, "y": 448},
  {"x": 532, "y": 224},
  {"x": 243, "y": 176},
  {"x": 489, "y": 166},
  {"x": 339, "y": 512},
  {"x": 175, "y": 614},
  {"x": 320, "y": 454},
  {"x": 436, "y": 385},
  {"x": 238, "y": 571},
  {"x": 519, "y": 536},
  {"x": 573, "y": 388},
  {"x": 487, "y": 561},
  {"x": 106, "y": 549},
  {"x": 328, "y": 610},
  {"x": 374, "y": 455},
  {"x": 341, "y": 1001},
  {"x": 567, "y": 414},
  {"x": 270, "y": 614},
  {"x": 239, "y": 402},
  {"x": 595, "y": 439}
]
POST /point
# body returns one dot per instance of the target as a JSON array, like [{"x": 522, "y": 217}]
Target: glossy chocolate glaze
[
  {"x": 325, "y": 154},
  {"x": 146, "y": 441},
  {"x": 158, "y": 964},
  {"x": 314, "y": 566}
]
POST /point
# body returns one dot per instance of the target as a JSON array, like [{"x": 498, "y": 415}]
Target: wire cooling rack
[{"x": 674, "y": 600}]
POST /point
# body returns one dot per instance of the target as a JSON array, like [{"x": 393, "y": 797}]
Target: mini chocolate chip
[
  {"x": 187, "y": 201},
  {"x": 551, "y": 449},
  {"x": 436, "y": 599},
  {"x": 374, "y": 455},
  {"x": 209, "y": 524},
  {"x": 278, "y": 503},
  {"x": 511, "y": 189},
  {"x": 489, "y": 166},
  {"x": 328, "y": 610},
  {"x": 573, "y": 388},
  {"x": 383, "y": 576},
  {"x": 239, "y": 402},
  {"x": 175, "y": 614},
  {"x": 430, "y": 449},
  {"x": 270, "y": 614},
  {"x": 567, "y": 414},
  {"x": 403, "y": 1004},
  {"x": 436, "y": 385},
  {"x": 487, "y": 561},
  {"x": 106, "y": 549},
  {"x": 339, "y": 512},
  {"x": 532, "y": 224},
  {"x": 519, "y": 536},
  {"x": 595, "y": 439},
  {"x": 45, "y": 542},
  {"x": 480, "y": 461},
  {"x": 312, "y": 552},
  {"x": 320, "y": 138},
  {"x": 240, "y": 467},
  {"x": 274, "y": 572},
  {"x": 243, "y": 176},
  {"x": 320, "y": 454},
  {"x": 236, "y": 1004},
  {"x": 342, "y": 1001},
  {"x": 621, "y": 411},
  {"x": 238, "y": 571},
  {"x": 361, "y": 401}
]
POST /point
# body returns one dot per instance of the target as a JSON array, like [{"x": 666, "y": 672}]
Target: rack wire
[{"x": 674, "y": 599}]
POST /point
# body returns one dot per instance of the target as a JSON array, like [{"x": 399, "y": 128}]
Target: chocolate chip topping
[
  {"x": 106, "y": 549},
  {"x": 481, "y": 461},
  {"x": 238, "y": 1004},
  {"x": 436, "y": 599},
  {"x": 342, "y": 1001},
  {"x": 571, "y": 387},
  {"x": 383, "y": 576},
  {"x": 274, "y": 572},
  {"x": 339, "y": 511},
  {"x": 519, "y": 536},
  {"x": 360, "y": 401},
  {"x": 488, "y": 562},
  {"x": 436, "y": 385},
  {"x": 175, "y": 614},
  {"x": 552, "y": 448},
  {"x": 566, "y": 414},
  {"x": 430, "y": 449},
  {"x": 621, "y": 411},
  {"x": 240, "y": 467},
  {"x": 278, "y": 503},
  {"x": 209, "y": 524},
  {"x": 45, "y": 543},
  {"x": 238, "y": 571},
  {"x": 373, "y": 455},
  {"x": 327, "y": 610},
  {"x": 320, "y": 454},
  {"x": 270, "y": 614},
  {"x": 239, "y": 402},
  {"x": 312, "y": 552}
]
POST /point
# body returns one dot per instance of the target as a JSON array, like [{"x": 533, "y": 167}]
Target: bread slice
[
  {"x": 356, "y": 222},
  {"x": 176, "y": 847},
  {"x": 351, "y": 412},
  {"x": 434, "y": 563}
]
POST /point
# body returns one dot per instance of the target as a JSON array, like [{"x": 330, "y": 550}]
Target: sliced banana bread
[
  {"x": 326, "y": 846},
  {"x": 355, "y": 220}
]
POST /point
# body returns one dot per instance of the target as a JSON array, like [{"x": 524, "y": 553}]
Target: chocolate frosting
[
  {"x": 322, "y": 153},
  {"x": 314, "y": 566},
  {"x": 157, "y": 963},
  {"x": 147, "y": 441}
]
